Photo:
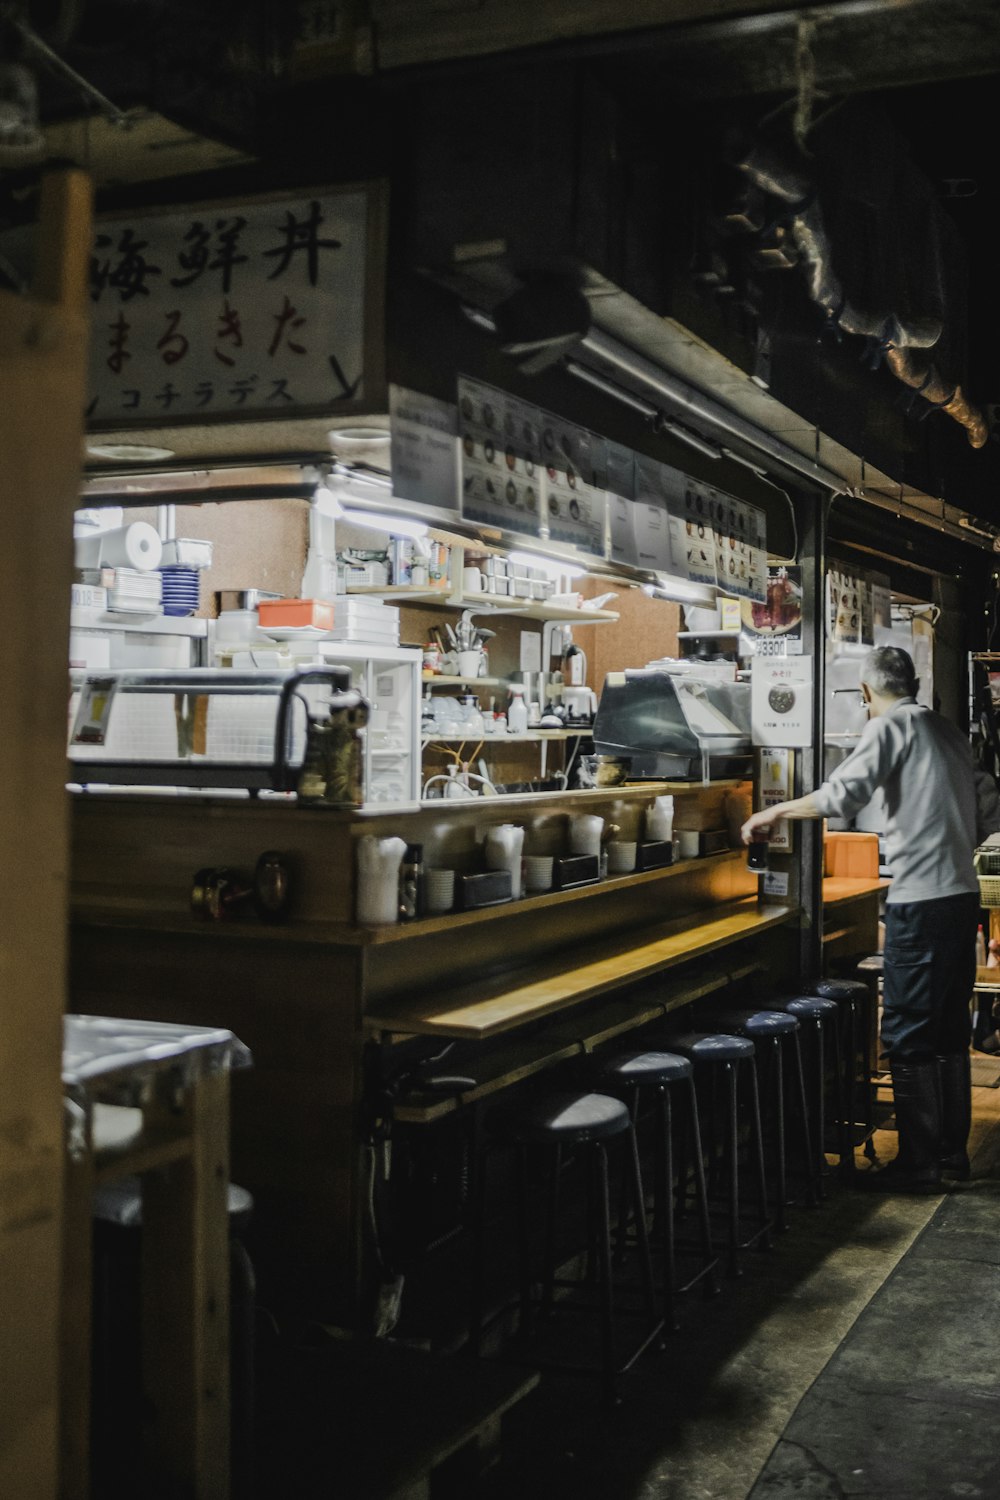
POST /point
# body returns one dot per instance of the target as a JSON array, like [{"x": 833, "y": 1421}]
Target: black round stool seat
[
  {"x": 568, "y": 1119},
  {"x": 646, "y": 1067},
  {"x": 709, "y": 1047},
  {"x": 810, "y": 1007},
  {"x": 758, "y": 1024},
  {"x": 842, "y": 989}
]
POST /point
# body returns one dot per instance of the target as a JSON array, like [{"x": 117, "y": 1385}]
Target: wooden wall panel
[{"x": 43, "y": 343}]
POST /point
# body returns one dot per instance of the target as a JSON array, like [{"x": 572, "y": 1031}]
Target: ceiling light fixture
[
  {"x": 377, "y": 520},
  {"x": 552, "y": 567},
  {"x": 140, "y": 453},
  {"x": 680, "y": 590}
]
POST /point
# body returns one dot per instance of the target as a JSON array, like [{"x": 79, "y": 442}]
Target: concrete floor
[{"x": 857, "y": 1357}]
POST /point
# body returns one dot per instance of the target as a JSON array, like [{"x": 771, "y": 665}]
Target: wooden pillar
[{"x": 43, "y": 344}]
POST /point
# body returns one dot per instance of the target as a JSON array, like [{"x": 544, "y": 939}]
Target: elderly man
[{"x": 938, "y": 807}]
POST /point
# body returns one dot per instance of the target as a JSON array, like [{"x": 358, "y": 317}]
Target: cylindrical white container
[
  {"x": 503, "y": 852},
  {"x": 585, "y": 833},
  {"x": 378, "y": 862}
]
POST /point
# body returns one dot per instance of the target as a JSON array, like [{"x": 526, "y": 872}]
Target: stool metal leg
[
  {"x": 809, "y": 1160},
  {"x": 781, "y": 1186},
  {"x": 701, "y": 1189},
  {"x": 551, "y": 1219},
  {"x": 634, "y": 1173},
  {"x": 524, "y": 1249},
  {"x": 734, "y": 1175},
  {"x": 665, "y": 1206},
  {"x": 600, "y": 1170},
  {"x": 757, "y": 1145},
  {"x": 851, "y": 1082}
]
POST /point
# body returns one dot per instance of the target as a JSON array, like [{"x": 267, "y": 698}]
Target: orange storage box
[
  {"x": 293, "y": 614},
  {"x": 851, "y": 856}
]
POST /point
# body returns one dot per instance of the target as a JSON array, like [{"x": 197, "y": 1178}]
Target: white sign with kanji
[{"x": 229, "y": 310}]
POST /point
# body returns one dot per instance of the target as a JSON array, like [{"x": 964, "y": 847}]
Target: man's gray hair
[{"x": 889, "y": 671}]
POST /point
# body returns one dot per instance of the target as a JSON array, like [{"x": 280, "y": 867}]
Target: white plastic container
[{"x": 517, "y": 711}]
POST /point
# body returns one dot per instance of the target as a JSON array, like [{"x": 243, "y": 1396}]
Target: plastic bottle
[
  {"x": 517, "y": 711},
  {"x": 980, "y": 949}
]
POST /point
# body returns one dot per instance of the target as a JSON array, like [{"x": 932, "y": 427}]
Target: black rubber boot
[
  {"x": 956, "y": 1113},
  {"x": 916, "y": 1087}
]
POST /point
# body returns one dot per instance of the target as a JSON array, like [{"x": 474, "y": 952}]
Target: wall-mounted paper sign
[
  {"x": 424, "y": 449},
  {"x": 652, "y": 516},
  {"x": 232, "y": 309},
  {"x": 774, "y": 627},
  {"x": 699, "y": 534},
  {"x": 500, "y": 458},
  {"x": 776, "y": 786},
  {"x": 781, "y": 700},
  {"x": 574, "y": 509}
]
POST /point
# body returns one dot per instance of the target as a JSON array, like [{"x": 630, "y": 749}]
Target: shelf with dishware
[
  {"x": 505, "y": 737},
  {"x": 439, "y": 679},
  {"x": 491, "y": 604}
]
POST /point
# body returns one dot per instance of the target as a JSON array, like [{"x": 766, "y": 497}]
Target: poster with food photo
[
  {"x": 574, "y": 508},
  {"x": 699, "y": 532},
  {"x": 772, "y": 626},
  {"x": 500, "y": 458}
]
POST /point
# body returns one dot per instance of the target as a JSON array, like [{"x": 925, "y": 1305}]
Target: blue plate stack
[{"x": 181, "y": 590}]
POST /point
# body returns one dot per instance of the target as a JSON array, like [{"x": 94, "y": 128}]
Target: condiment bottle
[
  {"x": 517, "y": 712},
  {"x": 411, "y": 883}
]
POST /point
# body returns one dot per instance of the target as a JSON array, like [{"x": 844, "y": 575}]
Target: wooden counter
[
  {"x": 850, "y": 917},
  {"x": 482, "y": 1010},
  {"x": 333, "y": 1012}
]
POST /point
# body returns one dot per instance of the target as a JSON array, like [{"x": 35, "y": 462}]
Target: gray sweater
[{"x": 938, "y": 805}]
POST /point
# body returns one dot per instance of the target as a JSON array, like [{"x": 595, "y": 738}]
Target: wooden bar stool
[
  {"x": 584, "y": 1122},
  {"x": 817, "y": 1017},
  {"x": 633, "y": 1073},
  {"x": 732, "y": 1057},
  {"x": 854, "y": 1000},
  {"x": 775, "y": 1032}
]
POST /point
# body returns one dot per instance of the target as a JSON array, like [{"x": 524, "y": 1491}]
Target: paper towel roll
[{"x": 135, "y": 546}]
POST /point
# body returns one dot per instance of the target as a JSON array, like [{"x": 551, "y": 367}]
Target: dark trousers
[{"x": 928, "y": 975}]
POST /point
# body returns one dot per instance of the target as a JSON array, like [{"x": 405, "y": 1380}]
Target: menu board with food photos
[
  {"x": 845, "y": 612},
  {"x": 654, "y": 491},
  {"x": 575, "y": 506},
  {"x": 619, "y": 481},
  {"x": 740, "y": 547},
  {"x": 699, "y": 532},
  {"x": 500, "y": 458},
  {"x": 526, "y": 470}
]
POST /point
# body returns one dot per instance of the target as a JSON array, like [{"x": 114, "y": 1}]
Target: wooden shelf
[
  {"x": 488, "y": 604},
  {"x": 505, "y": 738},
  {"x": 480, "y": 1009},
  {"x": 453, "y": 920},
  {"x": 437, "y": 680}
]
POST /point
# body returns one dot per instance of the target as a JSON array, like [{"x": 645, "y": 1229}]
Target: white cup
[
  {"x": 472, "y": 581},
  {"x": 439, "y": 890},
  {"x": 470, "y": 663},
  {"x": 538, "y": 872},
  {"x": 621, "y": 857},
  {"x": 688, "y": 842},
  {"x": 585, "y": 834}
]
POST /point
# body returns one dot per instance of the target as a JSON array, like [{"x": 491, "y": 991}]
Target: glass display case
[{"x": 342, "y": 733}]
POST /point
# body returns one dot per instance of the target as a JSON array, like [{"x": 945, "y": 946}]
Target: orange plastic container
[
  {"x": 293, "y": 614},
  {"x": 851, "y": 856}
]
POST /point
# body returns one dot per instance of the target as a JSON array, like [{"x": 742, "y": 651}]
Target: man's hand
[
  {"x": 800, "y": 807},
  {"x": 765, "y": 819}
]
